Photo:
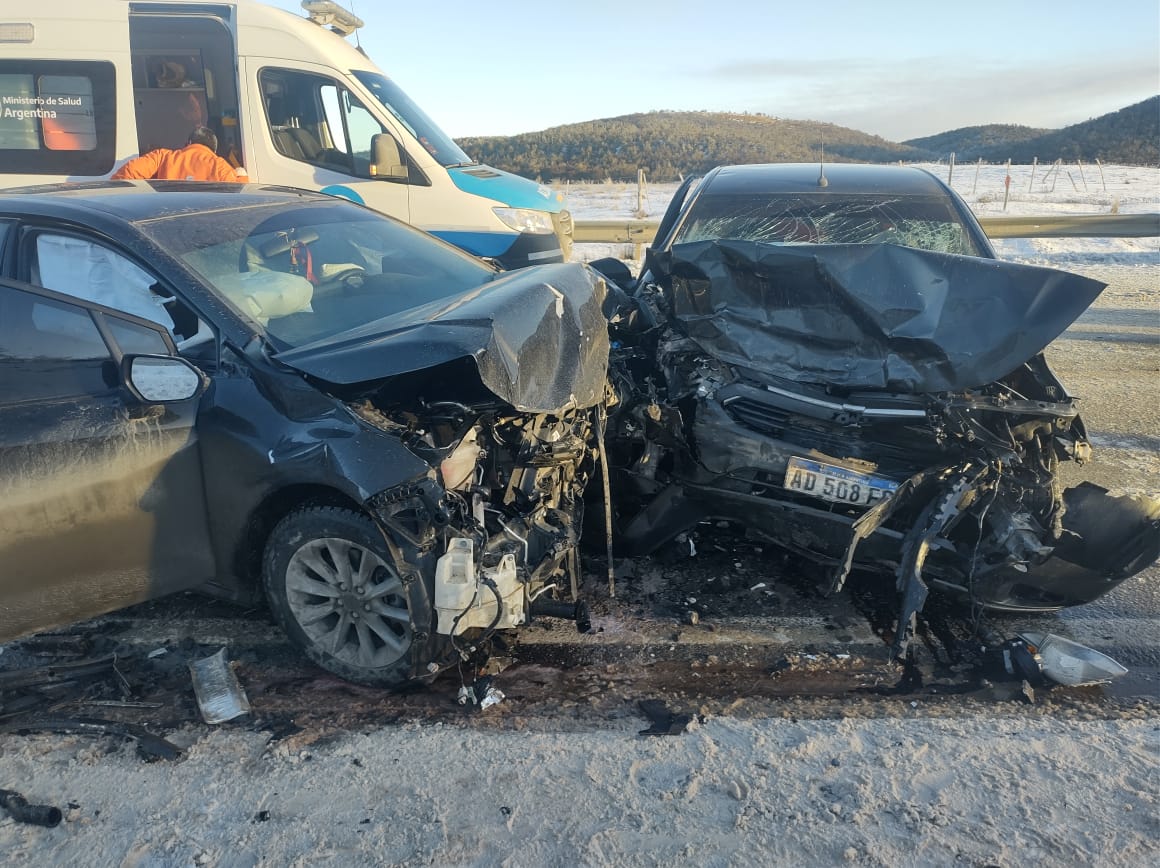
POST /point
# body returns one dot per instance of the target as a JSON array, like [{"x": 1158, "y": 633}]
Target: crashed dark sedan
[
  {"x": 240, "y": 387},
  {"x": 833, "y": 358}
]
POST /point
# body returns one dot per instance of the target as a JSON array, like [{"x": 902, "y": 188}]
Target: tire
[{"x": 335, "y": 589}]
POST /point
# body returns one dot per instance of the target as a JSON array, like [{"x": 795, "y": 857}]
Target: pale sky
[{"x": 899, "y": 69}]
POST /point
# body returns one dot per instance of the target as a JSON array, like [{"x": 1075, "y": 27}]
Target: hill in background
[
  {"x": 669, "y": 145},
  {"x": 1130, "y": 136},
  {"x": 969, "y": 143}
]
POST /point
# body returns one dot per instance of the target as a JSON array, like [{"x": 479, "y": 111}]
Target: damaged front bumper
[
  {"x": 493, "y": 531},
  {"x": 871, "y": 407}
]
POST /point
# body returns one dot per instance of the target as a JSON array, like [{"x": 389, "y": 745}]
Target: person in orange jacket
[{"x": 197, "y": 161}]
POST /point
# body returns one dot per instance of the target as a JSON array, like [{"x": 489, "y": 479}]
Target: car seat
[{"x": 290, "y": 139}]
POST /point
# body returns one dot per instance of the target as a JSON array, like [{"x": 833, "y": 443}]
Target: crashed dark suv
[
  {"x": 833, "y": 358},
  {"x": 236, "y": 388}
]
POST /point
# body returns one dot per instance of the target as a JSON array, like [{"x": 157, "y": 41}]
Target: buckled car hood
[
  {"x": 537, "y": 335},
  {"x": 866, "y": 316}
]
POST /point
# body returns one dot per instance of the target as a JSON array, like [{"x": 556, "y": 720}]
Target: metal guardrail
[
  {"x": 614, "y": 231},
  {"x": 1073, "y": 226},
  {"x": 1044, "y": 226}
]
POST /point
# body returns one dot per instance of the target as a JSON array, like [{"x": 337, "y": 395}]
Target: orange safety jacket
[{"x": 192, "y": 163}]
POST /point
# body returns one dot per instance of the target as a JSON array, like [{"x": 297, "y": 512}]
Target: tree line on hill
[{"x": 669, "y": 145}]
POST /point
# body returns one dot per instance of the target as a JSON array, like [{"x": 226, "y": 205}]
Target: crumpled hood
[
  {"x": 537, "y": 335},
  {"x": 866, "y": 316}
]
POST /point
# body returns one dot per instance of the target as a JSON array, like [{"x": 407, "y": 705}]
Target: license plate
[{"x": 836, "y": 484}]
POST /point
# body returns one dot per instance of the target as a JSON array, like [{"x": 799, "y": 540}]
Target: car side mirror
[
  {"x": 386, "y": 161},
  {"x": 162, "y": 379},
  {"x": 615, "y": 271}
]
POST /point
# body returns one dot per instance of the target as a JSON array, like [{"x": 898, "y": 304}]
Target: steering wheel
[{"x": 350, "y": 277}]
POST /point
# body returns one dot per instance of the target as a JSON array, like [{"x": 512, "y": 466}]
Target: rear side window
[{"x": 57, "y": 117}]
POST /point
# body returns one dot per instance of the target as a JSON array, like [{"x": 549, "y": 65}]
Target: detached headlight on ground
[
  {"x": 1071, "y": 663},
  {"x": 526, "y": 220}
]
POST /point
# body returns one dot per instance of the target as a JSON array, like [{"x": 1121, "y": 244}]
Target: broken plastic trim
[
  {"x": 153, "y": 746},
  {"x": 22, "y": 812},
  {"x": 219, "y": 695},
  {"x": 939, "y": 515}
]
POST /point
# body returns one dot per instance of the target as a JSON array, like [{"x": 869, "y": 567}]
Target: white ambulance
[{"x": 86, "y": 85}]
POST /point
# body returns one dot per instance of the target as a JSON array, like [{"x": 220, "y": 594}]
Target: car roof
[
  {"x": 135, "y": 201},
  {"x": 840, "y": 178}
]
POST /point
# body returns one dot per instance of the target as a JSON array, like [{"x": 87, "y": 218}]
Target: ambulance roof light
[{"x": 327, "y": 13}]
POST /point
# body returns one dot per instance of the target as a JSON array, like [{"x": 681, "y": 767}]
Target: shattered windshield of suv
[{"x": 923, "y": 223}]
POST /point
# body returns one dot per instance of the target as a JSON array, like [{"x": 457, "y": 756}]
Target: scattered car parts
[
  {"x": 22, "y": 812},
  {"x": 1070, "y": 663},
  {"x": 220, "y": 696},
  {"x": 150, "y": 745}
]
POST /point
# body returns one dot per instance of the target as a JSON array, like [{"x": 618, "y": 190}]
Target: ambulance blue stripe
[
  {"x": 507, "y": 189},
  {"x": 480, "y": 243}
]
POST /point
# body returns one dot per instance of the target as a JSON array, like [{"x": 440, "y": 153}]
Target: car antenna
[{"x": 822, "y": 180}]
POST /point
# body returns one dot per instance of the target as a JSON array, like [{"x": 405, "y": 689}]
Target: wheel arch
[{"x": 251, "y": 544}]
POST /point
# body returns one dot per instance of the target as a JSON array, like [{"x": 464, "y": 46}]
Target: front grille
[
  {"x": 896, "y": 447},
  {"x": 760, "y": 417}
]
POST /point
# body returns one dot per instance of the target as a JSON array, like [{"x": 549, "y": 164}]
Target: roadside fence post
[{"x": 641, "y": 211}]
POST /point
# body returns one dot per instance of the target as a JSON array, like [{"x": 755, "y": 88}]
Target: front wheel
[{"x": 336, "y": 591}]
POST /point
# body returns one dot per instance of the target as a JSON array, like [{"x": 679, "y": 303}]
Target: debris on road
[
  {"x": 219, "y": 695},
  {"x": 492, "y": 697},
  {"x": 1028, "y": 692},
  {"x": 664, "y": 721},
  {"x": 22, "y": 812},
  {"x": 150, "y": 745},
  {"x": 1070, "y": 663}
]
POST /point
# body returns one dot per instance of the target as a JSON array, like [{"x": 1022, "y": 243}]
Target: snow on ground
[{"x": 1010, "y": 791}]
